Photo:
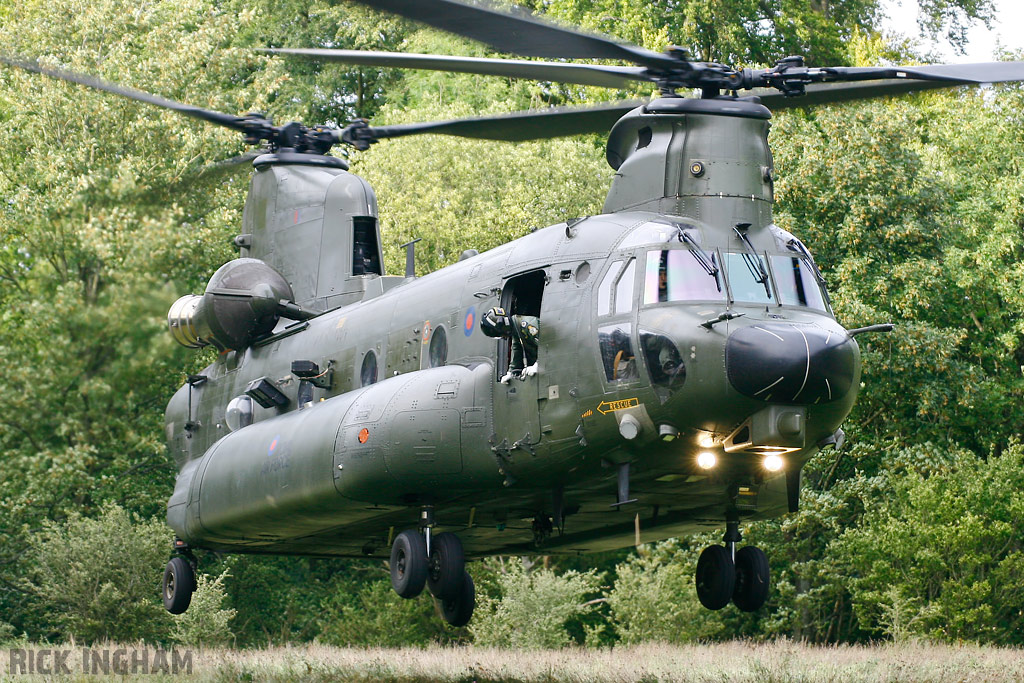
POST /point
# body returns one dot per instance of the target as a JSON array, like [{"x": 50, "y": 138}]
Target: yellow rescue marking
[
  {"x": 636, "y": 526},
  {"x": 588, "y": 413},
  {"x": 341, "y": 323},
  {"x": 391, "y": 536},
  {"x": 606, "y": 407},
  {"x": 472, "y": 516}
]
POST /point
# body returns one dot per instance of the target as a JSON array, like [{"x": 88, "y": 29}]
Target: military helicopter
[{"x": 688, "y": 363}]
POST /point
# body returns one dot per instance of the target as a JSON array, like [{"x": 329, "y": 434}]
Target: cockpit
[{"x": 662, "y": 264}]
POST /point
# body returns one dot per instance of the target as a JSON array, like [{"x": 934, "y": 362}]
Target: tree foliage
[{"x": 914, "y": 208}]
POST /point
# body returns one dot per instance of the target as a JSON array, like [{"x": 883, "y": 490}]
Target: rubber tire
[
  {"x": 752, "y": 579},
  {"x": 715, "y": 577},
  {"x": 459, "y": 611},
  {"x": 446, "y": 566},
  {"x": 178, "y": 586},
  {"x": 409, "y": 563}
]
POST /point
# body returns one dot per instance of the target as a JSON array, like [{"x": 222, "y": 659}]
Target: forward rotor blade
[
  {"x": 520, "y": 34},
  {"x": 226, "y": 120},
  {"x": 581, "y": 74},
  {"x": 520, "y": 126},
  {"x": 903, "y": 81}
]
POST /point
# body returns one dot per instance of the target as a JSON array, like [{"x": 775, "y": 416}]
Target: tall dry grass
[{"x": 735, "y": 662}]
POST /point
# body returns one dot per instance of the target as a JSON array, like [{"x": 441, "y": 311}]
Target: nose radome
[{"x": 789, "y": 363}]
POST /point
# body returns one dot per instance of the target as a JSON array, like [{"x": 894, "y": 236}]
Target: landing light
[
  {"x": 707, "y": 442},
  {"x": 706, "y": 460},
  {"x": 773, "y": 462}
]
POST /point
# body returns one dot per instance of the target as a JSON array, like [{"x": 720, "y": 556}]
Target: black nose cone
[{"x": 786, "y": 363}]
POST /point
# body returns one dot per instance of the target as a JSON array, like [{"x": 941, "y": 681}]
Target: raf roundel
[{"x": 470, "y": 321}]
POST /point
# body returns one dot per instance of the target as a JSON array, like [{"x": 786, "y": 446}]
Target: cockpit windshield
[
  {"x": 696, "y": 275},
  {"x": 679, "y": 275},
  {"x": 748, "y": 278}
]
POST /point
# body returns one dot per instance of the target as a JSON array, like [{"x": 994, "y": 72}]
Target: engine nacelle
[{"x": 241, "y": 303}]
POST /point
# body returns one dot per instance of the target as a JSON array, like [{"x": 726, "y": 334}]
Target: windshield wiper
[
  {"x": 707, "y": 264},
  {"x": 754, "y": 263}
]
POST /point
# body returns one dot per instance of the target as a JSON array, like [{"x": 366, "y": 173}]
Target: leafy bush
[
  {"x": 205, "y": 623},
  {"x": 944, "y": 557},
  {"x": 375, "y": 615},
  {"x": 534, "y": 606},
  {"x": 654, "y": 599},
  {"x": 98, "y": 579}
]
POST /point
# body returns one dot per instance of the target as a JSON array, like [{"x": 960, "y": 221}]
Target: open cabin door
[{"x": 516, "y": 408}]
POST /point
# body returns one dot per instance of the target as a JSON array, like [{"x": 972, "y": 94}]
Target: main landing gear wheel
[
  {"x": 409, "y": 564},
  {"x": 458, "y": 611},
  {"x": 752, "y": 574},
  {"x": 179, "y": 584},
  {"x": 716, "y": 577},
  {"x": 446, "y": 566}
]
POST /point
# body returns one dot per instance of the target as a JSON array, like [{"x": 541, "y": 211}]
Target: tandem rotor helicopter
[{"x": 688, "y": 361}]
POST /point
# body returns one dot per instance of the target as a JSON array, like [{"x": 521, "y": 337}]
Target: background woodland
[{"x": 914, "y": 209}]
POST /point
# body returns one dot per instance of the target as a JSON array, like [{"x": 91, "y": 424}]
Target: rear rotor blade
[
  {"x": 581, "y": 74},
  {"x": 520, "y": 126},
  {"x": 520, "y": 33},
  {"x": 226, "y": 120},
  {"x": 226, "y": 167}
]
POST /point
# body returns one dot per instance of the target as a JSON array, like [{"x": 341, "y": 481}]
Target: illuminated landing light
[
  {"x": 707, "y": 442},
  {"x": 773, "y": 462},
  {"x": 706, "y": 460}
]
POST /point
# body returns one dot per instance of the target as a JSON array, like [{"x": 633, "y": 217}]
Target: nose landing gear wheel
[
  {"x": 408, "y": 564},
  {"x": 715, "y": 577},
  {"x": 458, "y": 611},
  {"x": 752, "y": 575},
  {"x": 446, "y": 566},
  {"x": 178, "y": 586}
]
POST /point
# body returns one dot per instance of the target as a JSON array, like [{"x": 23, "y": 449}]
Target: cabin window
[
  {"x": 796, "y": 283},
  {"x": 365, "y": 250},
  {"x": 748, "y": 278},
  {"x": 438, "y": 347},
  {"x": 368, "y": 372},
  {"x": 617, "y": 352},
  {"x": 239, "y": 413},
  {"x": 682, "y": 275}
]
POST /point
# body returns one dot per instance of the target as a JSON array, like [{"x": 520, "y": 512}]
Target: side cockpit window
[{"x": 797, "y": 283}]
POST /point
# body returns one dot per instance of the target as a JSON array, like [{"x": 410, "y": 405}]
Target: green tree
[{"x": 743, "y": 32}]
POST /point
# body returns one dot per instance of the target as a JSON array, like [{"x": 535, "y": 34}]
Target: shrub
[
  {"x": 98, "y": 579},
  {"x": 205, "y": 623},
  {"x": 534, "y": 606}
]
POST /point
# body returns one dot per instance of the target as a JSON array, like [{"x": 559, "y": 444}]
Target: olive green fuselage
[{"x": 532, "y": 465}]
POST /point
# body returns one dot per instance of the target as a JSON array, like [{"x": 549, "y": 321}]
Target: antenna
[{"x": 410, "y": 257}]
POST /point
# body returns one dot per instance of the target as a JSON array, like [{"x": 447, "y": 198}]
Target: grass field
[{"x": 727, "y": 662}]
